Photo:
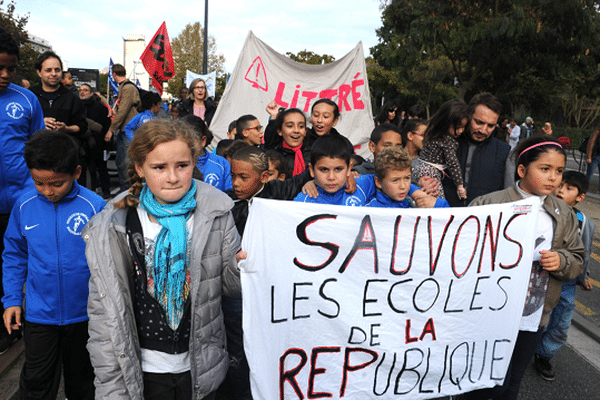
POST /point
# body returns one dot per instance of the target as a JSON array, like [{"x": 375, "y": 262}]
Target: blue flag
[{"x": 113, "y": 85}]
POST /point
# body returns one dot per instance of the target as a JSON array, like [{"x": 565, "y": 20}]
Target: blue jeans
[
  {"x": 595, "y": 164},
  {"x": 560, "y": 321},
  {"x": 238, "y": 374},
  {"x": 122, "y": 161}
]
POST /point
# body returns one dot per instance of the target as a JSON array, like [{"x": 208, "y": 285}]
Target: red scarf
[{"x": 298, "y": 159}]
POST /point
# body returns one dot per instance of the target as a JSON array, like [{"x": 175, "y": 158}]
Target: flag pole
[{"x": 205, "y": 58}]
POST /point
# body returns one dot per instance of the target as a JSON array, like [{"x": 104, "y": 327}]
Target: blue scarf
[{"x": 170, "y": 246}]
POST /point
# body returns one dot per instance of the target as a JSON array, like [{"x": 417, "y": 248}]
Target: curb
[{"x": 591, "y": 330}]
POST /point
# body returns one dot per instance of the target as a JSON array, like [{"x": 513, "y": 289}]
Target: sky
[{"x": 87, "y": 33}]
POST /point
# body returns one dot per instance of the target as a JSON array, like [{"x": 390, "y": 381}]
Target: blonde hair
[
  {"x": 150, "y": 135},
  {"x": 391, "y": 158},
  {"x": 193, "y": 85}
]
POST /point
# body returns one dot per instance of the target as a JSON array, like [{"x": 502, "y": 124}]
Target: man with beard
[
  {"x": 482, "y": 157},
  {"x": 98, "y": 122}
]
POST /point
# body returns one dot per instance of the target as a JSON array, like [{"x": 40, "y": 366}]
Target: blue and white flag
[{"x": 111, "y": 81}]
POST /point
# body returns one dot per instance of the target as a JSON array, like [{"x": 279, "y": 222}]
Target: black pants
[
  {"x": 169, "y": 387},
  {"x": 46, "y": 348}
]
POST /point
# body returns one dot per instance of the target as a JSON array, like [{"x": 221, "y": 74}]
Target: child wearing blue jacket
[
  {"x": 151, "y": 104},
  {"x": 216, "y": 170},
  {"x": 393, "y": 170},
  {"x": 44, "y": 249},
  {"x": 330, "y": 166}
]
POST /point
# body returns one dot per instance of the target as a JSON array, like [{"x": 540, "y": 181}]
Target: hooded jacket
[
  {"x": 113, "y": 345},
  {"x": 566, "y": 242}
]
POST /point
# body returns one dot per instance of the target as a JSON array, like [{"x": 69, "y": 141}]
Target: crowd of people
[{"x": 161, "y": 317}]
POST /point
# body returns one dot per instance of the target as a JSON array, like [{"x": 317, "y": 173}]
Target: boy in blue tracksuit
[
  {"x": 329, "y": 166},
  {"x": 151, "y": 104},
  {"x": 572, "y": 190},
  {"x": 393, "y": 170},
  {"x": 216, "y": 170},
  {"x": 44, "y": 249}
]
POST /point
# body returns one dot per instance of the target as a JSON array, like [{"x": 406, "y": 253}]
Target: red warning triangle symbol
[{"x": 257, "y": 76}]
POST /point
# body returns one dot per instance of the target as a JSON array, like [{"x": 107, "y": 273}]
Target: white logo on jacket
[
  {"x": 15, "y": 110},
  {"x": 76, "y": 222},
  {"x": 212, "y": 179}
]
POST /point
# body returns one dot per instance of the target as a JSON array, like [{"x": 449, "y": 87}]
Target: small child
[
  {"x": 250, "y": 178},
  {"x": 231, "y": 130},
  {"x": 44, "y": 249},
  {"x": 558, "y": 254},
  {"x": 384, "y": 135},
  {"x": 393, "y": 170},
  {"x": 440, "y": 145},
  {"x": 151, "y": 104},
  {"x": 330, "y": 166},
  {"x": 215, "y": 169},
  {"x": 233, "y": 148},
  {"x": 572, "y": 191},
  {"x": 279, "y": 168}
]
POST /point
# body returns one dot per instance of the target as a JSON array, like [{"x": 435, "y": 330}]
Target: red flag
[{"x": 158, "y": 58}]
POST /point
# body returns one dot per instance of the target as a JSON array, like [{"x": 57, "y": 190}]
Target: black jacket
[
  {"x": 279, "y": 190},
  {"x": 67, "y": 107},
  {"x": 186, "y": 107},
  {"x": 486, "y": 170}
]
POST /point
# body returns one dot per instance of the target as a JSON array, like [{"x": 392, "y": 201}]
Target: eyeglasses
[
  {"x": 200, "y": 87},
  {"x": 258, "y": 128},
  {"x": 418, "y": 134}
]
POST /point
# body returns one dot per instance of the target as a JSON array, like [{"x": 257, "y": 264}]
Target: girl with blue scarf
[{"x": 175, "y": 241}]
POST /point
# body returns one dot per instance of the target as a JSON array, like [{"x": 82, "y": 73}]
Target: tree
[
  {"x": 188, "y": 54},
  {"x": 308, "y": 57},
  {"x": 15, "y": 25},
  {"x": 526, "y": 52}
]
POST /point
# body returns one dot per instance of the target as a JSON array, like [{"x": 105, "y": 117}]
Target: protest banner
[
  {"x": 209, "y": 79},
  {"x": 363, "y": 303},
  {"x": 262, "y": 75}
]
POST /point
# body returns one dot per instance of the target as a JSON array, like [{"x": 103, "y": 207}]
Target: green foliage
[
  {"x": 308, "y": 57},
  {"x": 527, "y": 52},
  {"x": 188, "y": 54},
  {"x": 15, "y": 25}
]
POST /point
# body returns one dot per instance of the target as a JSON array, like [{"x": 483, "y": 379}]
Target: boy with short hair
[
  {"x": 44, "y": 248},
  {"x": 249, "y": 129},
  {"x": 330, "y": 166},
  {"x": 151, "y": 104},
  {"x": 250, "y": 179},
  {"x": 384, "y": 135},
  {"x": 572, "y": 190},
  {"x": 279, "y": 168},
  {"x": 393, "y": 171}
]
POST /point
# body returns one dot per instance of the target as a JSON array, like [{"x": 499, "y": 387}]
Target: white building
[
  {"x": 133, "y": 47},
  {"x": 39, "y": 44}
]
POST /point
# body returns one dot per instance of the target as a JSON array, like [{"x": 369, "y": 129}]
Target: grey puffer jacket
[{"x": 113, "y": 345}]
